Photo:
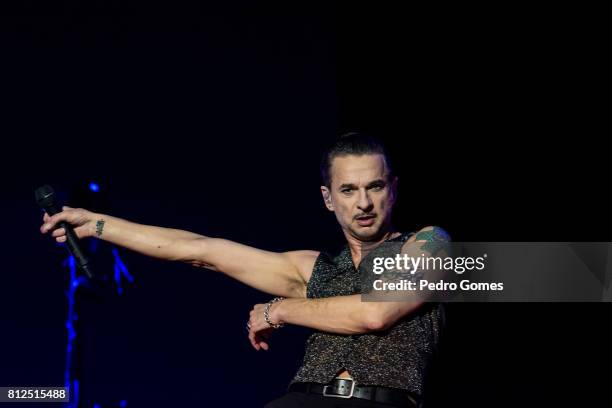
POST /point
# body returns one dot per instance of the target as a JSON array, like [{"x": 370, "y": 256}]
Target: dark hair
[{"x": 352, "y": 143}]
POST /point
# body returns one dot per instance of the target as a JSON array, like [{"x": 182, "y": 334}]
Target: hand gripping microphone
[{"x": 45, "y": 197}]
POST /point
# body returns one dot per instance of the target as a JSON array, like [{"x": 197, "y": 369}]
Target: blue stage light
[{"x": 94, "y": 187}]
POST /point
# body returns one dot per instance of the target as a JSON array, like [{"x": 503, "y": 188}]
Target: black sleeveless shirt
[{"x": 397, "y": 357}]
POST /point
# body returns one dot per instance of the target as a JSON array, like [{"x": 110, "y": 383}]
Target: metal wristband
[{"x": 267, "y": 313}]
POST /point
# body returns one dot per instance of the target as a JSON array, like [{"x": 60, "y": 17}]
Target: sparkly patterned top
[{"x": 395, "y": 358}]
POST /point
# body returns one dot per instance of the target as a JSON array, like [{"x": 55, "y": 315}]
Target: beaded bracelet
[{"x": 267, "y": 313}]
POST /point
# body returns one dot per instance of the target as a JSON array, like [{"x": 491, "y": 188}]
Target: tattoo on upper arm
[
  {"x": 436, "y": 239},
  {"x": 99, "y": 228}
]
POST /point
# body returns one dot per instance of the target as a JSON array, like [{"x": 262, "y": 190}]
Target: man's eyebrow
[{"x": 376, "y": 183}]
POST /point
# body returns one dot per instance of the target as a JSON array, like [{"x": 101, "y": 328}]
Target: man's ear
[
  {"x": 394, "y": 182},
  {"x": 327, "y": 198}
]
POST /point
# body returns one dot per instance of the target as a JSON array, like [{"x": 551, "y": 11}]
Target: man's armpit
[{"x": 304, "y": 262}]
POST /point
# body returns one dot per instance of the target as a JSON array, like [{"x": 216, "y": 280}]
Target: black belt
[{"x": 346, "y": 388}]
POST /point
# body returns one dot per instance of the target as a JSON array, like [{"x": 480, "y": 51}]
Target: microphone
[{"x": 45, "y": 197}]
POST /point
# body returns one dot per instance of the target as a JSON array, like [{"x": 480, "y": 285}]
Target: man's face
[{"x": 361, "y": 195}]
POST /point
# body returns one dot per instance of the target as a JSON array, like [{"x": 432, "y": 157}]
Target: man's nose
[{"x": 365, "y": 203}]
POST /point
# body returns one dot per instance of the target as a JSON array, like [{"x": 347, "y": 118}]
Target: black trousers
[{"x": 302, "y": 400}]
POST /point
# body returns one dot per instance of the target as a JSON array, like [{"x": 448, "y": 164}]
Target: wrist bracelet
[{"x": 267, "y": 313}]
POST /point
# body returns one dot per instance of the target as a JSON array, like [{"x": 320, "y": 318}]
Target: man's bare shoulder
[{"x": 430, "y": 234}]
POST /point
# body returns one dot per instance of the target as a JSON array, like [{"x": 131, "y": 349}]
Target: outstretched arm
[
  {"x": 281, "y": 274},
  {"x": 341, "y": 314}
]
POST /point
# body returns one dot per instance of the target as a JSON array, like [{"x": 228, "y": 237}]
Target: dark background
[{"x": 210, "y": 117}]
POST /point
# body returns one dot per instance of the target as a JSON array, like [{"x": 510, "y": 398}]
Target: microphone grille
[{"x": 45, "y": 196}]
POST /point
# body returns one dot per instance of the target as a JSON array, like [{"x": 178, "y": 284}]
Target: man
[{"x": 369, "y": 354}]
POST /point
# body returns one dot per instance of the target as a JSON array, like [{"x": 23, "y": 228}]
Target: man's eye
[
  {"x": 346, "y": 191},
  {"x": 377, "y": 188}
]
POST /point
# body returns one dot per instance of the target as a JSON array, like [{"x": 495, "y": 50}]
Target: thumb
[{"x": 66, "y": 208}]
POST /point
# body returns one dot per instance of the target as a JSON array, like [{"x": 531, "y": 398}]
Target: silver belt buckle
[{"x": 325, "y": 394}]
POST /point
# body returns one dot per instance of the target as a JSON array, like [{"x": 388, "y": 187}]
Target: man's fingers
[
  {"x": 259, "y": 340},
  {"x": 252, "y": 340},
  {"x": 61, "y": 239},
  {"x": 50, "y": 223},
  {"x": 59, "y": 232},
  {"x": 75, "y": 218}
]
